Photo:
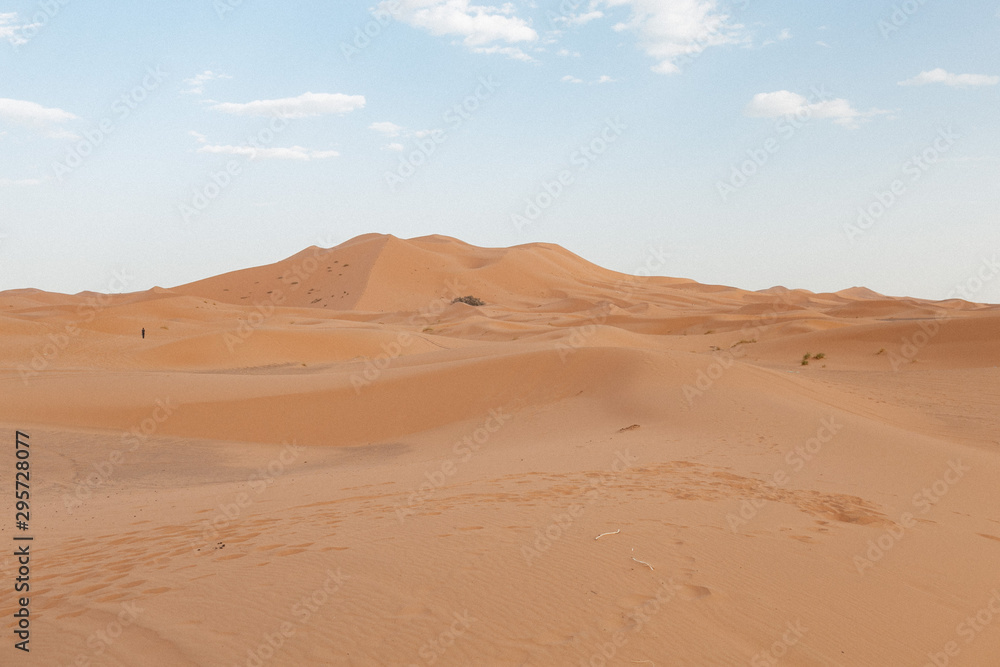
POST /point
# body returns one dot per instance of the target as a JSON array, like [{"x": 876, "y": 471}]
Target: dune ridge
[{"x": 774, "y": 475}]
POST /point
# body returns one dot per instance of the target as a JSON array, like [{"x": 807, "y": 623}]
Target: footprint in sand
[
  {"x": 549, "y": 638},
  {"x": 692, "y": 592},
  {"x": 632, "y": 601}
]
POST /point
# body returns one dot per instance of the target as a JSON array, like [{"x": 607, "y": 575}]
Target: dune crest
[{"x": 432, "y": 476}]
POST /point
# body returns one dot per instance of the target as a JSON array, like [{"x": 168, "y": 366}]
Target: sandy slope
[{"x": 325, "y": 461}]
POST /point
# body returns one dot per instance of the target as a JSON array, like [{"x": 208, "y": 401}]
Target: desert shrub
[{"x": 471, "y": 300}]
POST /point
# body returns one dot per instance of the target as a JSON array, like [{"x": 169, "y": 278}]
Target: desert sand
[{"x": 325, "y": 461}]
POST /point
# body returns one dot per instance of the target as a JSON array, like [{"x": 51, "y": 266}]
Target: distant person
[{"x": 144, "y": 333}]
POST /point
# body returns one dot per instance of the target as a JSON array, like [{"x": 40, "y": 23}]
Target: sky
[{"x": 817, "y": 145}]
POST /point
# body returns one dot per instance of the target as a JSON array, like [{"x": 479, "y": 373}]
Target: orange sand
[{"x": 325, "y": 461}]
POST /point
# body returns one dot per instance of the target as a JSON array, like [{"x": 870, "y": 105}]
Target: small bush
[
  {"x": 471, "y": 300},
  {"x": 821, "y": 355}
]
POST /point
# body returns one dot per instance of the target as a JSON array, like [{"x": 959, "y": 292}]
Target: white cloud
[
  {"x": 30, "y": 113},
  {"x": 199, "y": 137},
  {"x": 8, "y": 27},
  {"x": 823, "y": 44},
  {"x": 509, "y": 51},
  {"x": 579, "y": 19},
  {"x": 478, "y": 25},
  {"x": 386, "y": 128},
  {"x": 303, "y": 106},
  {"x": 394, "y": 147},
  {"x": 291, "y": 153},
  {"x": 785, "y": 103},
  {"x": 566, "y": 53},
  {"x": 12, "y": 31},
  {"x": 571, "y": 79},
  {"x": 947, "y": 78},
  {"x": 196, "y": 84},
  {"x": 782, "y": 36},
  {"x": 604, "y": 78},
  {"x": 45, "y": 120},
  {"x": 669, "y": 30},
  {"x": 19, "y": 183}
]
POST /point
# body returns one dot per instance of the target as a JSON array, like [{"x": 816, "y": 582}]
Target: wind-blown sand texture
[{"x": 325, "y": 461}]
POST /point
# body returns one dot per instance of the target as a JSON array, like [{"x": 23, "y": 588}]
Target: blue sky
[{"x": 749, "y": 143}]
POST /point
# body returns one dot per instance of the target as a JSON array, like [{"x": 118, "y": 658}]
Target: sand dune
[{"x": 327, "y": 461}]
